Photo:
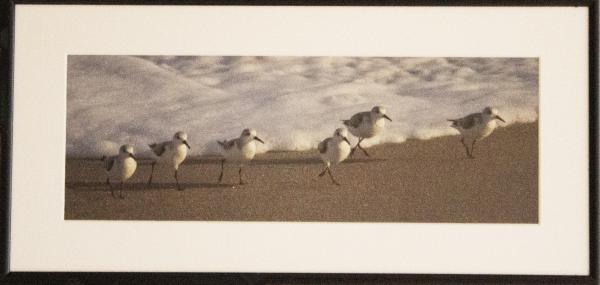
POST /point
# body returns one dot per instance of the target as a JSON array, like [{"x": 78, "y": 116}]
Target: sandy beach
[{"x": 416, "y": 181}]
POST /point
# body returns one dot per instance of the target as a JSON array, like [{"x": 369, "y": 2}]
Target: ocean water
[{"x": 293, "y": 102}]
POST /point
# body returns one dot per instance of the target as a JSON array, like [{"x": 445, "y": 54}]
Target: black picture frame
[{"x": 7, "y": 9}]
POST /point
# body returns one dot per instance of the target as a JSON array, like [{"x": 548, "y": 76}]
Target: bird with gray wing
[
  {"x": 239, "y": 150},
  {"x": 119, "y": 168},
  {"x": 366, "y": 125},
  {"x": 475, "y": 127},
  {"x": 334, "y": 150},
  {"x": 171, "y": 153}
]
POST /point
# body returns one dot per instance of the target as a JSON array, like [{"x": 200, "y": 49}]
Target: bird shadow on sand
[
  {"x": 420, "y": 159},
  {"x": 196, "y": 161},
  {"x": 302, "y": 160},
  {"x": 363, "y": 160},
  {"x": 311, "y": 160},
  {"x": 272, "y": 161},
  {"x": 140, "y": 186},
  {"x": 284, "y": 161}
]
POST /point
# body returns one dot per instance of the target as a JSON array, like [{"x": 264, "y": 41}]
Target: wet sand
[{"x": 416, "y": 181}]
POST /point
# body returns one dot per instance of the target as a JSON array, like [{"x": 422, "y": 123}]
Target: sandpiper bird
[
  {"x": 119, "y": 167},
  {"x": 240, "y": 150},
  {"x": 334, "y": 150},
  {"x": 172, "y": 153},
  {"x": 366, "y": 125},
  {"x": 475, "y": 127}
]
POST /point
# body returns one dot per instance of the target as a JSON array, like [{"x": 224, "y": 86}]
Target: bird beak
[
  {"x": 388, "y": 118},
  {"x": 499, "y": 118},
  {"x": 186, "y": 144},
  {"x": 346, "y": 139},
  {"x": 132, "y": 156},
  {"x": 258, "y": 139}
]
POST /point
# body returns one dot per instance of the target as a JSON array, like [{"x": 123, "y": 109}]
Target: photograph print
[{"x": 302, "y": 139}]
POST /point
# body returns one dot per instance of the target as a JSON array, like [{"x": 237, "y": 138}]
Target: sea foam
[{"x": 293, "y": 102}]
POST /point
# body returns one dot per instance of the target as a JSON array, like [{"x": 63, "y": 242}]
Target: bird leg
[
  {"x": 112, "y": 191},
  {"x": 323, "y": 173},
  {"x": 361, "y": 148},
  {"x": 462, "y": 140},
  {"x": 121, "y": 190},
  {"x": 177, "y": 181},
  {"x": 151, "y": 173},
  {"x": 473, "y": 148},
  {"x": 222, "y": 166},
  {"x": 240, "y": 174},
  {"x": 332, "y": 179},
  {"x": 354, "y": 148}
]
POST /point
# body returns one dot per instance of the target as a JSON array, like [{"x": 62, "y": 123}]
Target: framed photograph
[{"x": 278, "y": 143}]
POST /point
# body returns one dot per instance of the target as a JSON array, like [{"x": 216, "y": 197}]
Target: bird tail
[
  {"x": 346, "y": 122},
  {"x": 222, "y": 143},
  {"x": 453, "y": 121}
]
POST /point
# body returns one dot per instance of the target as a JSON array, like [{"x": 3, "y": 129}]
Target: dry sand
[{"x": 416, "y": 181}]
